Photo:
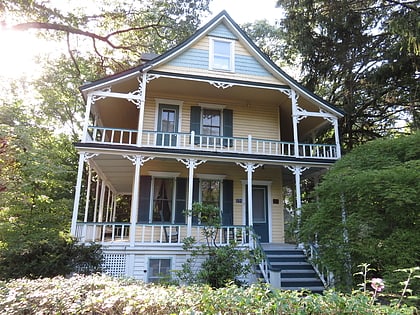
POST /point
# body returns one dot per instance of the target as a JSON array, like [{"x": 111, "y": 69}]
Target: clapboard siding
[
  {"x": 198, "y": 60},
  {"x": 258, "y": 120},
  {"x": 222, "y": 31}
]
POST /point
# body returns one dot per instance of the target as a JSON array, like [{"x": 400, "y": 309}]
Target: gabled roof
[{"x": 222, "y": 17}]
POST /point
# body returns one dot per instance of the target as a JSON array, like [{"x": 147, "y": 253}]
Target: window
[
  {"x": 221, "y": 55},
  {"x": 159, "y": 269},
  {"x": 210, "y": 192},
  {"x": 162, "y": 199},
  {"x": 167, "y": 125},
  {"x": 167, "y": 120},
  {"x": 211, "y": 124}
]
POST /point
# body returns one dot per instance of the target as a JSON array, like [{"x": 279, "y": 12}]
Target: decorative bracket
[
  {"x": 151, "y": 76},
  {"x": 99, "y": 97},
  {"x": 136, "y": 99},
  {"x": 287, "y": 92},
  {"x": 296, "y": 169},
  {"x": 87, "y": 156},
  {"x": 327, "y": 118},
  {"x": 248, "y": 166},
  {"x": 138, "y": 159},
  {"x": 191, "y": 163},
  {"x": 300, "y": 113},
  {"x": 220, "y": 85}
]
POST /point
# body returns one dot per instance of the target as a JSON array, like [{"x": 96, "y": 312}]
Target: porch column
[
  {"x": 191, "y": 164},
  {"x": 85, "y": 218},
  {"x": 90, "y": 100},
  {"x": 295, "y": 120},
  {"x": 337, "y": 137},
  {"x": 83, "y": 157},
  {"x": 101, "y": 202},
  {"x": 138, "y": 161},
  {"x": 249, "y": 168},
  {"x": 95, "y": 207},
  {"x": 140, "y": 105},
  {"x": 297, "y": 171}
]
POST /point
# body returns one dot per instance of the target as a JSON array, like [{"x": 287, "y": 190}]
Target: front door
[
  {"x": 167, "y": 125},
  {"x": 260, "y": 212}
]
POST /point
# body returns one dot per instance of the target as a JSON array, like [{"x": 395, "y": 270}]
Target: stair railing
[
  {"x": 314, "y": 257},
  {"x": 260, "y": 256}
]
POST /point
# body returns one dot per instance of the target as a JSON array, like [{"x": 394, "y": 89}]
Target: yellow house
[{"x": 212, "y": 120}]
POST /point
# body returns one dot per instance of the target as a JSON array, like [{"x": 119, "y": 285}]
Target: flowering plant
[{"x": 377, "y": 284}]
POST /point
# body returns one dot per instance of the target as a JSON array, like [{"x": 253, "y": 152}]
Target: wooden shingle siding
[{"x": 223, "y": 32}]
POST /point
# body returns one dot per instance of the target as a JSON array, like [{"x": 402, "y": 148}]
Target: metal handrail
[{"x": 314, "y": 257}]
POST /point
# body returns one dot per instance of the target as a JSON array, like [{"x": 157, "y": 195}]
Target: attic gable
[{"x": 199, "y": 57}]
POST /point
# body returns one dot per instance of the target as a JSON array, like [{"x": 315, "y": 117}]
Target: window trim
[
  {"x": 212, "y": 40},
  {"x": 170, "y": 103}
]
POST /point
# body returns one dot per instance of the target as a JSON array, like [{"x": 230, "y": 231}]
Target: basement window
[{"x": 159, "y": 269}]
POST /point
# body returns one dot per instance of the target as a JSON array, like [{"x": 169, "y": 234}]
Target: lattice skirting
[{"x": 115, "y": 264}]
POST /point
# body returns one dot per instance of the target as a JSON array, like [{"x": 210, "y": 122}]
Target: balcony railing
[
  {"x": 191, "y": 141},
  {"x": 117, "y": 233}
]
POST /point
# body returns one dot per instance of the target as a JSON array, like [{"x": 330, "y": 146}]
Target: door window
[
  {"x": 167, "y": 125},
  {"x": 162, "y": 199}
]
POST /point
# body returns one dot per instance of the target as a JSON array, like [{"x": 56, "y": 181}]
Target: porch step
[{"x": 296, "y": 272}]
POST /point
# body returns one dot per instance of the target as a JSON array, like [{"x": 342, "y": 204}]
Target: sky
[
  {"x": 18, "y": 57},
  {"x": 243, "y": 11}
]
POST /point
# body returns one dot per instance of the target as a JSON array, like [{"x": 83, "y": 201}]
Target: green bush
[
  {"x": 34, "y": 258},
  {"x": 97, "y": 294}
]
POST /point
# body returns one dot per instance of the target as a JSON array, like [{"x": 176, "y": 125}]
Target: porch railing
[
  {"x": 157, "y": 234},
  {"x": 192, "y": 141}
]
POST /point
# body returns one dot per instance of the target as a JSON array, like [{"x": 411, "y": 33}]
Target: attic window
[{"x": 221, "y": 55}]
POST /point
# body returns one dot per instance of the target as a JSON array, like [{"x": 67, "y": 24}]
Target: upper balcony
[{"x": 190, "y": 141}]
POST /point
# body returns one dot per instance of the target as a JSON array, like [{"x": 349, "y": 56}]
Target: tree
[
  {"x": 117, "y": 31},
  {"x": 366, "y": 210},
  {"x": 362, "y": 56}
]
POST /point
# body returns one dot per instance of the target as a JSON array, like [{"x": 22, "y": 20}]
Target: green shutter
[
  {"x": 195, "y": 121},
  {"x": 144, "y": 202},
  {"x": 180, "y": 202},
  {"x": 227, "y": 126},
  {"x": 227, "y": 215}
]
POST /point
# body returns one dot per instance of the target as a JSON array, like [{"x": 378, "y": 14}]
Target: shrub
[
  {"x": 97, "y": 294},
  {"x": 34, "y": 258}
]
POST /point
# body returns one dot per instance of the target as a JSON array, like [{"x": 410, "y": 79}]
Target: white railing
[
  {"x": 102, "y": 232},
  {"x": 157, "y": 234},
  {"x": 191, "y": 141},
  {"x": 112, "y": 135}
]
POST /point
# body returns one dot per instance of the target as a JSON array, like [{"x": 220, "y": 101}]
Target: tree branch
[{"x": 69, "y": 29}]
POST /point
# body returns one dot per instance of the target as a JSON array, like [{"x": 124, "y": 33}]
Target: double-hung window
[
  {"x": 222, "y": 55},
  {"x": 211, "y": 124}
]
